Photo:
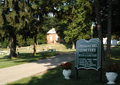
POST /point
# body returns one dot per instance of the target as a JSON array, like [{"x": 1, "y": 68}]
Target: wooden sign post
[{"x": 88, "y": 56}]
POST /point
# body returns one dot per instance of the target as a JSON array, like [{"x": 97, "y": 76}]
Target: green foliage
[
  {"x": 26, "y": 19},
  {"x": 1, "y": 18},
  {"x": 42, "y": 39},
  {"x": 116, "y": 37},
  {"x": 118, "y": 43},
  {"x": 20, "y": 40},
  {"x": 29, "y": 41},
  {"x": 5, "y": 43},
  {"x": 22, "y": 18},
  {"x": 76, "y": 20},
  {"x": 113, "y": 37}
]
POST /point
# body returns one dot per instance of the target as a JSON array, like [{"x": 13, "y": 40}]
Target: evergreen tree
[
  {"x": 38, "y": 10},
  {"x": 11, "y": 22},
  {"x": 115, "y": 18},
  {"x": 23, "y": 17},
  {"x": 75, "y": 19}
]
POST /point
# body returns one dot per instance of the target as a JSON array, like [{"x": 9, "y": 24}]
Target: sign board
[{"x": 88, "y": 54}]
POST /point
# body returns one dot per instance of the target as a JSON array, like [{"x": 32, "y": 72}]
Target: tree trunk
[
  {"x": 35, "y": 42},
  {"x": 12, "y": 45},
  {"x": 108, "y": 53},
  {"x": 99, "y": 28},
  {"x": 73, "y": 45}
]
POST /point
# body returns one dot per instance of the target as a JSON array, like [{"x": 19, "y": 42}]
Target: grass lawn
[
  {"x": 26, "y": 54},
  {"x": 85, "y": 77},
  {"x": 24, "y": 58}
]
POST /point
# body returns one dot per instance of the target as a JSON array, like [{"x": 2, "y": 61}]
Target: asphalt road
[{"x": 17, "y": 72}]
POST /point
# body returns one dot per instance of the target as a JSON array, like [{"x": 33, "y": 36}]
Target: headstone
[
  {"x": 60, "y": 49},
  {"x": 54, "y": 41},
  {"x": 54, "y": 49},
  {"x": 8, "y": 53},
  {"x": 114, "y": 42},
  {"x": 45, "y": 49},
  {"x": 17, "y": 53},
  {"x": 50, "y": 50},
  {"x": 38, "y": 50}
]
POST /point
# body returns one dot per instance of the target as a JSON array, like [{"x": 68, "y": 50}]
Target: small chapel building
[{"x": 52, "y": 36}]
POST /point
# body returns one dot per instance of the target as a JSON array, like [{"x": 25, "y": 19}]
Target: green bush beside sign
[{"x": 88, "y": 54}]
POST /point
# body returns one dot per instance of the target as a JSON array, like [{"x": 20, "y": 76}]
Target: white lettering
[{"x": 88, "y": 50}]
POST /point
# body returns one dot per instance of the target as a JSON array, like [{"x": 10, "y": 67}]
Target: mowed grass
[
  {"x": 85, "y": 77},
  {"x": 26, "y": 54},
  {"x": 24, "y": 58}
]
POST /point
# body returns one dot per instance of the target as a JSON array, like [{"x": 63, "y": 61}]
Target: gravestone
[
  {"x": 50, "y": 47},
  {"x": 54, "y": 49},
  {"x": 88, "y": 55}
]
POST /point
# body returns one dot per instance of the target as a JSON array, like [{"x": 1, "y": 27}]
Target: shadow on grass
[
  {"x": 48, "y": 78},
  {"x": 55, "y": 77},
  {"x": 115, "y": 51},
  {"x": 68, "y": 46},
  {"x": 29, "y": 57},
  {"x": 39, "y": 59}
]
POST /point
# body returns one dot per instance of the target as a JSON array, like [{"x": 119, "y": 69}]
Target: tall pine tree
[
  {"x": 76, "y": 20},
  {"x": 11, "y": 22}
]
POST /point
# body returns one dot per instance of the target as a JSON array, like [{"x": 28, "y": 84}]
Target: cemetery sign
[{"x": 88, "y": 54}]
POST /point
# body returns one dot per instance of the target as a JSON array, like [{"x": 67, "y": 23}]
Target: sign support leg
[
  {"x": 100, "y": 74},
  {"x": 76, "y": 73}
]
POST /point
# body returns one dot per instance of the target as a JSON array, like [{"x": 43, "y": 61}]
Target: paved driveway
[{"x": 25, "y": 70}]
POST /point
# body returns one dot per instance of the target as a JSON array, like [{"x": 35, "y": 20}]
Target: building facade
[{"x": 52, "y": 36}]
